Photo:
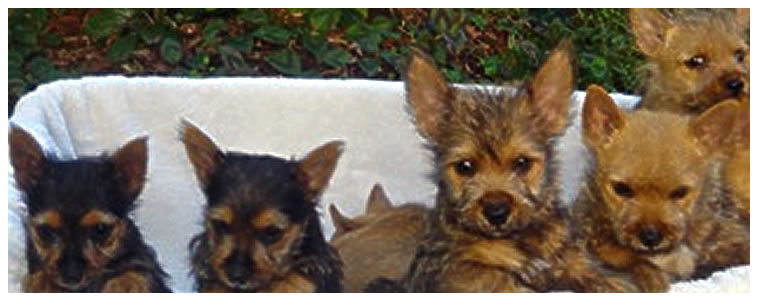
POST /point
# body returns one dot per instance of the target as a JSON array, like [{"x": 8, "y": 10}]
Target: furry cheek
[
  {"x": 281, "y": 251},
  {"x": 98, "y": 255}
]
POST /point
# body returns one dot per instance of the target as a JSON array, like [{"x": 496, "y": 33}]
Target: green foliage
[{"x": 469, "y": 45}]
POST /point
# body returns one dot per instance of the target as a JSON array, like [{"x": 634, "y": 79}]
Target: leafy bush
[{"x": 471, "y": 45}]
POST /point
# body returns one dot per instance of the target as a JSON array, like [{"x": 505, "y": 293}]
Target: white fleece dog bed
[{"x": 283, "y": 117}]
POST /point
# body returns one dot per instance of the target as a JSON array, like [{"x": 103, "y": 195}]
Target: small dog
[
  {"x": 262, "y": 232},
  {"x": 497, "y": 225},
  {"x": 649, "y": 203},
  {"x": 736, "y": 167},
  {"x": 79, "y": 237},
  {"x": 694, "y": 61},
  {"x": 381, "y": 243}
]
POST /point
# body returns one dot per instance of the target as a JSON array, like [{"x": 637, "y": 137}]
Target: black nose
[
  {"x": 650, "y": 238},
  {"x": 496, "y": 212},
  {"x": 735, "y": 86},
  {"x": 71, "y": 270},
  {"x": 239, "y": 268}
]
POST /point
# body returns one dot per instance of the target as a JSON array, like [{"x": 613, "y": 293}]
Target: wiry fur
[
  {"x": 497, "y": 226},
  {"x": 79, "y": 235},
  {"x": 261, "y": 230},
  {"x": 649, "y": 203},
  {"x": 380, "y": 243},
  {"x": 718, "y": 37}
]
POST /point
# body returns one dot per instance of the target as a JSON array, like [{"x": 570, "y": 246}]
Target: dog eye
[
  {"x": 465, "y": 168},
  {"x": 100, "y": 232},
  {"x": 623, "y": 190},
  {"x": 46, "y": 233},
  {"x": 220, "y": 227},
  {"x": 695, "y": 62},
  {"x": 270, "y": 235},
  {"x": 522, "y": 165},
  {"x": 740, "y": 54},
  {"x": 679, "y": 193}
]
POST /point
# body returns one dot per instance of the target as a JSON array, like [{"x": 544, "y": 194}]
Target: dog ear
[
  {"x": 27, "y": 158},
  {"x": 315, "y": 170},
  {"x": 550, "y": 91},
  {"x": 204, "y": 155},
  {"x": 711, "y": 128},
  {"x": 650, "y": 29},
  {"x": 601, "y": 117},
  {"x": 130, "y": 162},
  {"x": 428, "y": 95},
  {"x": 741, "y": 19},
  {"x": 377, "y": 201},
  {"x": 342, "y": 224}
]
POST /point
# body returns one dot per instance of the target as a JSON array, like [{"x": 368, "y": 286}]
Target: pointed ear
[
  {"x": 130, "y": 162},
  {"x": 315, "y": 170},
  {"x": 650, "y": 29},
  {"x": 741, "y": 19},
  {"x": 428, "y": 95},
  {"x": 601, "y": 118},
  {"x": 377, "y": 201},
  {"x": 342, "y": 224},
  {"x": 204, "y": 155},
  {"x": 550, "y": 91},
  {"x": 27, "y": 158},
  {"x": 713, "y": 126}
]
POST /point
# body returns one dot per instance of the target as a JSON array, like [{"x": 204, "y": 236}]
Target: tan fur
[
  {"x": 129, "y": 282},
  {"x": 636, "y": 149},
  {"x": 736, "y": 166},
  {"x": 717, "y": 37},
  {"x": 381, "y": 243}
]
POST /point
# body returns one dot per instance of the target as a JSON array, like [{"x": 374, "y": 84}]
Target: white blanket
[{"x": 284, "y": 117}]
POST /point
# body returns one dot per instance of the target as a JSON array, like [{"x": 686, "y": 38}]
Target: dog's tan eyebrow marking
[
  {"x": 222, "y": 213},
  {"x": 95, "y": 217},
  {"x": 50, "y": 218},
  {"x": 268, "y": 217}
]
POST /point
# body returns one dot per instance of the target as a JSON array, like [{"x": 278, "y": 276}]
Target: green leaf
[
  {"x": 369, "y": 65},
  {"x": 15, "y": 59},
  {"x": 255, "y": 17},
  {"x": 153, "y": 34},
  {"x": 273, "y": 34},
  {"x": 103, "y": 24},
  {"x": 316, "y": 44},
  {"x": 336, "y": 58},
  {"x": 369, "y": 43},
  {"x": 382, "y": 24},
  {"x": 285, "y": 61},
  {"x": 323, "y": 19},
  {"x": 200, "y": 60},
  {"x": 171, "y": 51},
  {"x": 39, "y": 67},
  {"x": 52, "y": 40},
  {"x": 232, "y": 59},
  {"x": 122, "y": 47},
  {"x": 242, "y": 43},
  {"x": 212, "y": 29},
  {"x": 16, "y": 86}
]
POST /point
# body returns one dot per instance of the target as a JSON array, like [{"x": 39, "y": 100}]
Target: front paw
[{"x": 130, "y": 282}]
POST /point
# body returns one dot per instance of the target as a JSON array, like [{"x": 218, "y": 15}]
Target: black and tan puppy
[
  {"x": 79, "y": 237},
  {"x": 262, "y": 231}
]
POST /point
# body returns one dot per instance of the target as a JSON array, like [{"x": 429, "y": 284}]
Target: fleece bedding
[{"x": 283, "y": 117}]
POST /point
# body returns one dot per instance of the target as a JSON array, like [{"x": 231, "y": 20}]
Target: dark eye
[
  {"x": 220, "y": 227},
  {"x": 100, "y": 232},
  {"x": 522, "y": 165},
  {"x": 270, "y": 235},
  {"x": 695, "y": 62},
  {"x": 623, "y": 190},
  {"x": 740, "y": 54},
  {"x": 45, "y": 233},
  {"x": 465, "y": 168},
  {"x": 679, "y": 193}
]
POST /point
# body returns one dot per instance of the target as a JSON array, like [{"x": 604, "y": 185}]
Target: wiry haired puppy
[
  {"x": 649, "y": 203},
  {"x": 262, "y": 231},
  {"x": 79, "y": 236},
  {"x": 497, "y": 225}
]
